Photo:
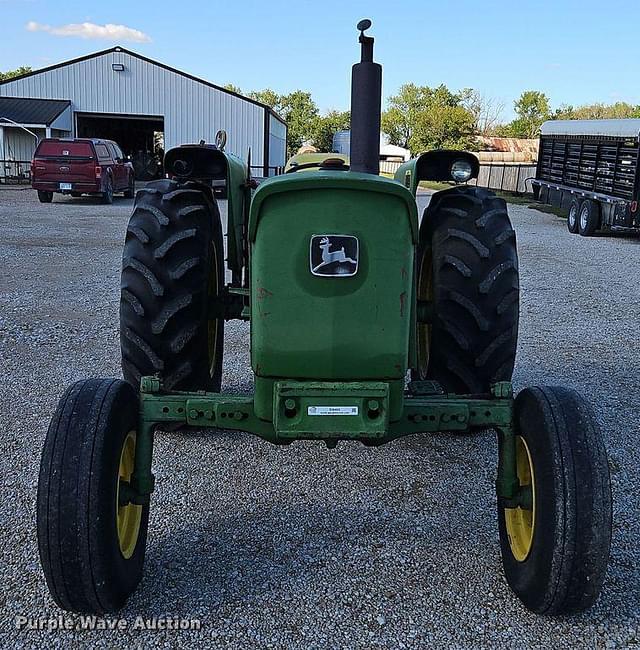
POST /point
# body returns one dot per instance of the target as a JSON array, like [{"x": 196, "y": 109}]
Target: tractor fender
[
  {"x": 433, "y": 166},
  {"x": 205, "y": 163}
]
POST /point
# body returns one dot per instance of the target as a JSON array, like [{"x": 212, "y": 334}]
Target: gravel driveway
[{"x": 302, "y": 546}]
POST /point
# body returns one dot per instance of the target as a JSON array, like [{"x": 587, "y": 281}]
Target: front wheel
[
  {"x": 91, "y": 544},
  {"x": 555, "y": 544},
  {"x": 45, "y": 197}
]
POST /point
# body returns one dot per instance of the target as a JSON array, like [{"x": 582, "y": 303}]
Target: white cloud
[{"x": 92, "y": 31}]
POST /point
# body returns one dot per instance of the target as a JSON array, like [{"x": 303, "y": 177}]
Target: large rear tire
[
  {"x": 173, "y": 265},
  {"x": 555, "y": 548},
  {"x": 91, "y": 546},
  {"x": 468, "y": 271},
  {"x": 45, "y": 197}
]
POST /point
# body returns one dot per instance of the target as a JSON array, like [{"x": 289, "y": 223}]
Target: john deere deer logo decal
[{"x": 334, "y": 255}]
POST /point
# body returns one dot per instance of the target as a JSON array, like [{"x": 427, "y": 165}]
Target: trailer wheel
[
  {"x": 45, "y": 197},
  {"x": 555, "y": 546},
  {"x": 573, "y": 217},
  {"x": 173, "y": 265},
  {"x": 91, "y": 545},
  {"x": 589, "y": 218},
  {"x": 468, "y": 272}
]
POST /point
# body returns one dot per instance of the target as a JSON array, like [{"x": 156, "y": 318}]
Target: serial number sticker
[{"x": 332, "y": 410}]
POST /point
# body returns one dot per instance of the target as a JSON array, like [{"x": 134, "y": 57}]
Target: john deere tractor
[{"x": 366, "y": 324}]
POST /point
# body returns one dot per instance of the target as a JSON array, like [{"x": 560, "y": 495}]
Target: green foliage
[
  {"x": 532, "y": 109},
  {"x": 325, "y": 126},
  {"x": 266, "y": 96},
  {"x": 421, "y": 118},
  {"x": 297, "y": 108},
  {"x": 23, "y": 69},
  {"x": 597, "y": 111},
  {"x": 300, "y": 112},
  {"x": 233, "y": 89}
]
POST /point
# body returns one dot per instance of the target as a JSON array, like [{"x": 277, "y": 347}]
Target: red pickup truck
[{"x": 81, "y": 166}]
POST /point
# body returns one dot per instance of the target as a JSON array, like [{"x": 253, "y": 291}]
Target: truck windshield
[{"x": 62, "y": 149}]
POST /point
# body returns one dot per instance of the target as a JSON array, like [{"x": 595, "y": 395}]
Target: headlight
[{"x": 461, "y": 171}]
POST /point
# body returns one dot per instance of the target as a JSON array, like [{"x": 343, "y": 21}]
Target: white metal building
[{"x": 121, "y": 95}]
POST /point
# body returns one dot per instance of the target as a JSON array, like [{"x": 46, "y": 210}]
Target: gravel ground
[{"x": 301, "y": 546}]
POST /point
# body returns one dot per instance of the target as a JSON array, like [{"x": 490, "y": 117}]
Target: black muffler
[{"x": 366, "y": 100}]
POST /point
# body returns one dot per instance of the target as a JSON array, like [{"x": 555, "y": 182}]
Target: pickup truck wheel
[
  {"x": 130, "y": 192},
  {"x": 107, "y": 195},
  {"x": 45, "y": 197},
  {"x": 468, "y": 275},
  {"x": 172, "y": 270}
]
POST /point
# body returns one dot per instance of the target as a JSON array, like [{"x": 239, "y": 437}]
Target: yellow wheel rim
[
  {"x": 520, "y": 522},
  {"x": 130, "y": 515},
  {"x": 425, "y": 292}
]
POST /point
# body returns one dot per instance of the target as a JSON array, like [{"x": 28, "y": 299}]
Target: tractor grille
[{"x": 603, "y": 166}]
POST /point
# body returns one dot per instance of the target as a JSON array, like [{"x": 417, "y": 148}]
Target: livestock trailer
[{"x": 590, "y": 169}]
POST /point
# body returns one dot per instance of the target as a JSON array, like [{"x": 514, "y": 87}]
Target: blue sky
[{"x": 577, "y": 51}]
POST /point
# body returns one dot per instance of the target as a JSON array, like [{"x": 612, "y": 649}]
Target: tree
[
  {"x": 300, "y": 113},
  {"x": 485, "y": 110},
  {"x": 325, "y": 126},
  {"x": 532, "y": 109},
  {"x": 232, "y": 88},
  {"x": 597, "y": 111},
  {"x": 266, "y": 96},
  {"x": 444, "y": 127},
  {"x": 420, "y": 118},
  {"x": 23, "y": 69}
]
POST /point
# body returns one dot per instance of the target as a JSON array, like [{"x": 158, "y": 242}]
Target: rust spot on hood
[{"x": 403, "y": 303}]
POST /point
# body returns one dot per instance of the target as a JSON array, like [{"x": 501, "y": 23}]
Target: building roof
[
  {"x": 118, "y": 48},
  {"x": 623, "y": 128},
  {"x": 31, "y": 111}
]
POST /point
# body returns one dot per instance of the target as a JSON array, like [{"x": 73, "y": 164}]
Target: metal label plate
[
  {"x": 332, "y": 410},
  {"x": 334, "y": 256}
]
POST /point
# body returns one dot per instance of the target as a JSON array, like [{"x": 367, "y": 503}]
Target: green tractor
[{"x": 366, "y": 324}]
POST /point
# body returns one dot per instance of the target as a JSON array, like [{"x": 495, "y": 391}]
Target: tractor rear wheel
[
  {"x": 468, "y": 273},
  {"x": 172, "y": 269},
  {"x": 555, "y": 544},
  {"x": 91, "y": 544}
]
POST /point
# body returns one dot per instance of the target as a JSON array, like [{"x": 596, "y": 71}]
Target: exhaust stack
[{"x": 366, "y": 100}]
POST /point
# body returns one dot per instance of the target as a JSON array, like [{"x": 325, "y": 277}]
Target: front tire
[
  {"x": 468, "y": 271},
  {"x": 45, "y": 197},
  {"x": 555, "y": 548},
  {"x": 173, "y": 265},
  {"x": 91, "y": 548}
]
